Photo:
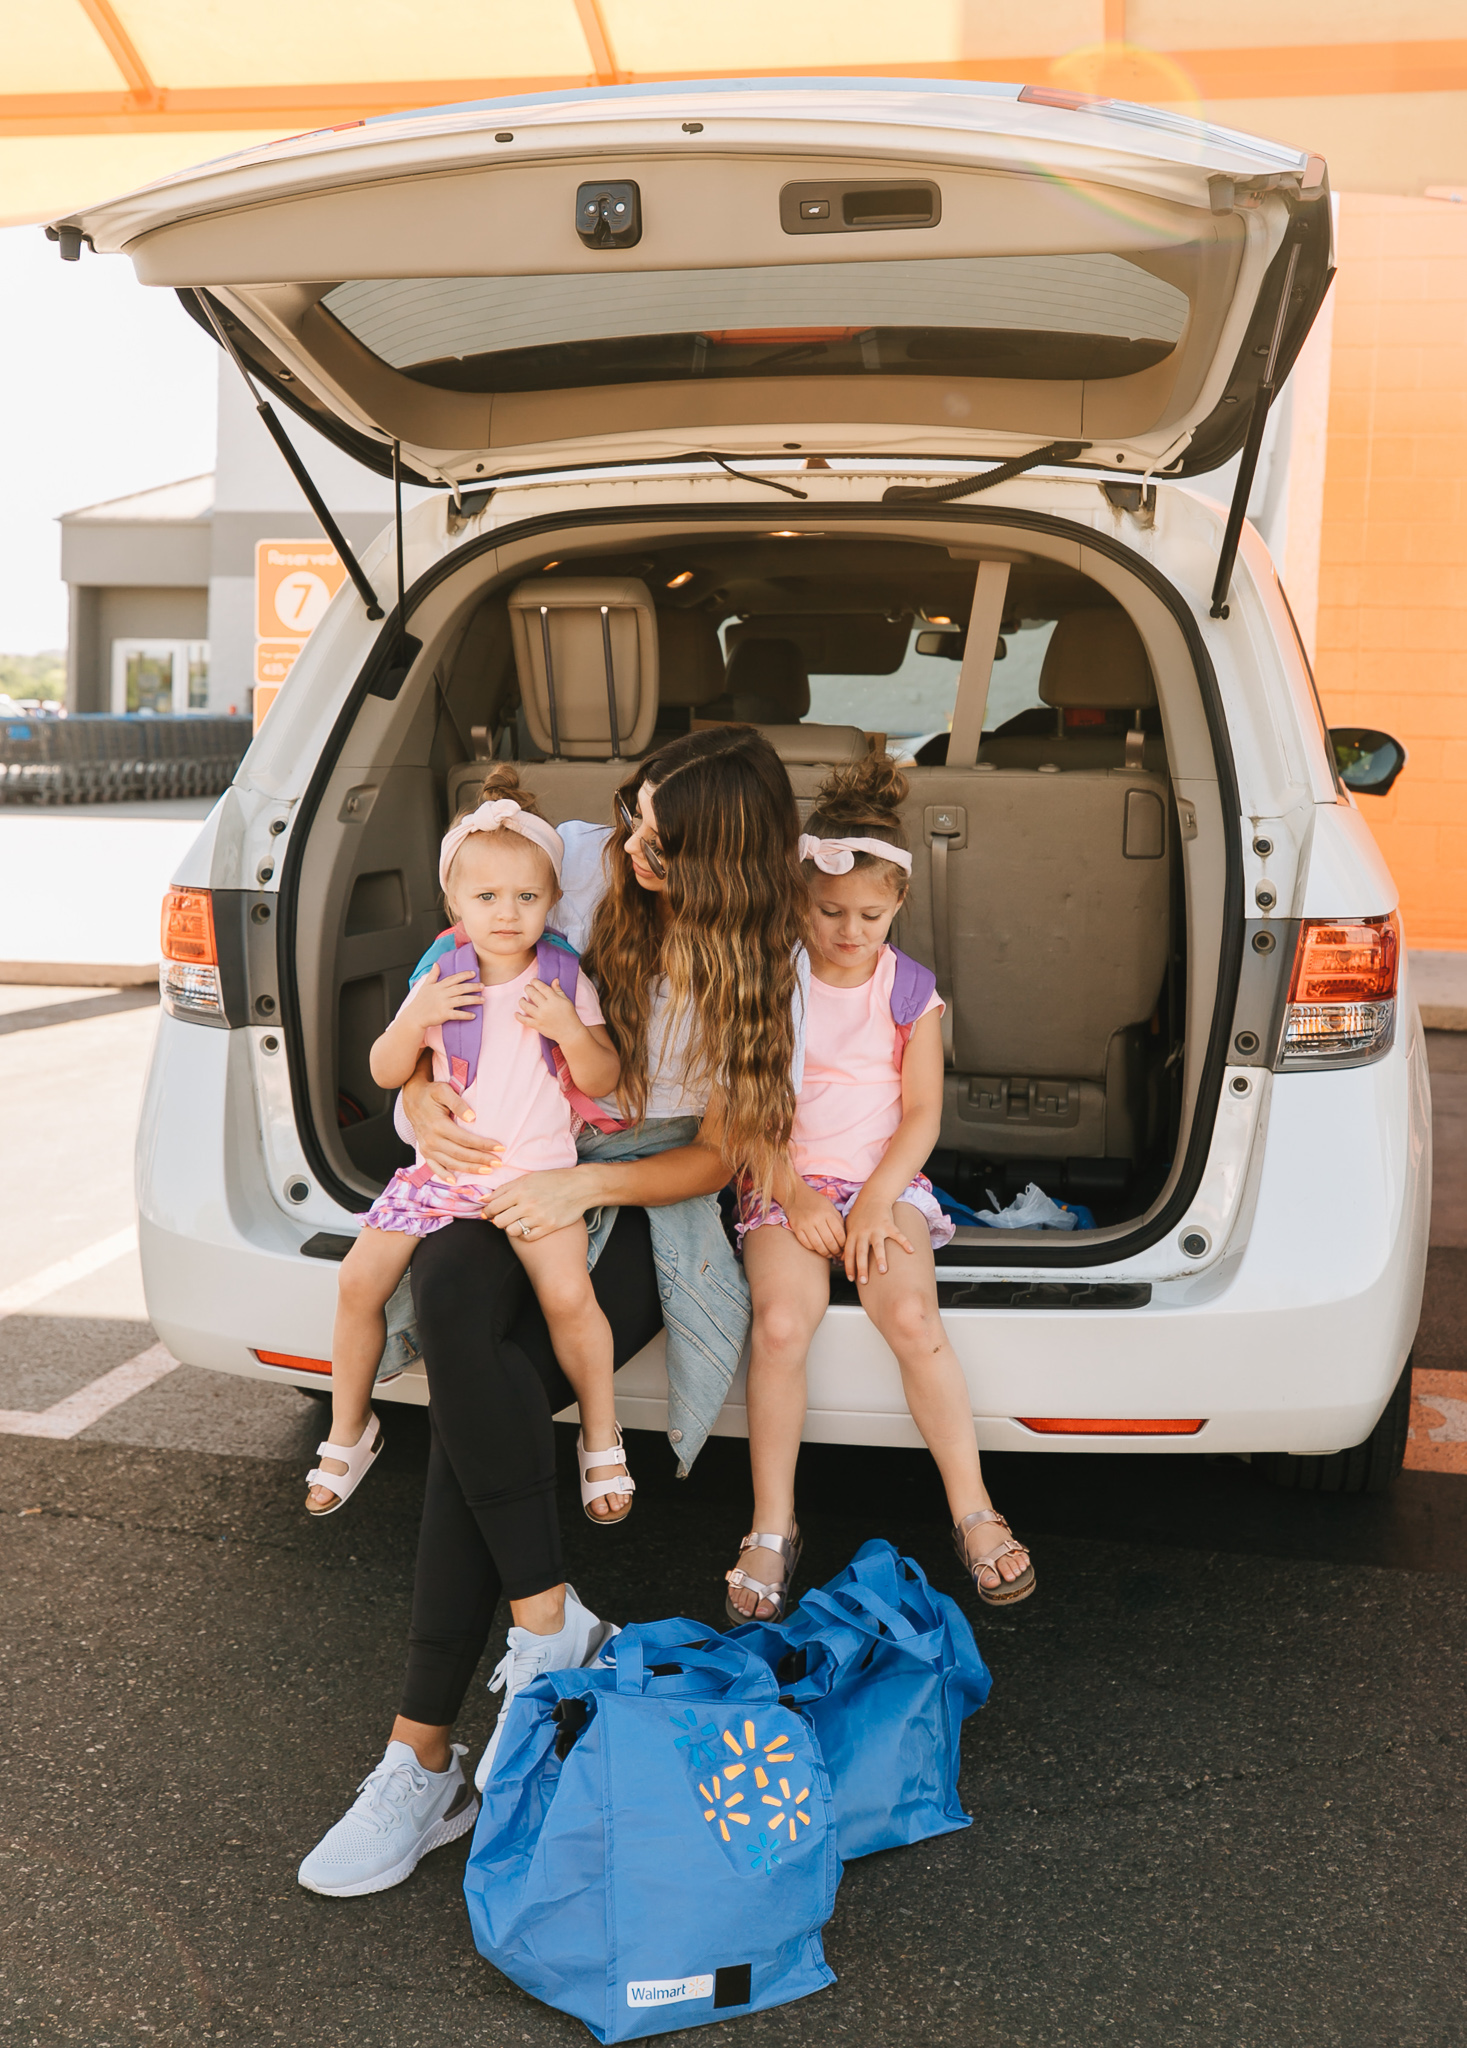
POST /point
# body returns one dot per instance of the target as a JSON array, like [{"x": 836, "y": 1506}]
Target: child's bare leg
[
  {"x": 791, "y": 1292},
  {"x": 369, "y": 1273},
  {"x": 902, "y": 1302},
  {"x": 582, "y": 1338}
]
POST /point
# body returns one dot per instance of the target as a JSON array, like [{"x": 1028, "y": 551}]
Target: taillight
[
  {"x": 1342, "y": 993},
  {"x": 189, "y": 978}
]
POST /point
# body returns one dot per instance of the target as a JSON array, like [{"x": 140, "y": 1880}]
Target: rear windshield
[{"x": 1047, "y": 317}]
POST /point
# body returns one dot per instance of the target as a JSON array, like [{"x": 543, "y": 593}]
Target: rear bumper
[{"x": 1290, "y": 1342}]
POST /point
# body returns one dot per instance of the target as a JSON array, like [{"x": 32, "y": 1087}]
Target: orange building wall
[{"x": 1391, "y": 638}]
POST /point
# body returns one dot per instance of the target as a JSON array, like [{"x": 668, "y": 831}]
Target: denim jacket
[{"x": 704, "y": 1295}]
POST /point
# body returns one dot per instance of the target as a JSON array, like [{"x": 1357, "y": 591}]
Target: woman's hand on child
[
  {"x": 438, "y": 1115},
  {"x": 439, "y": 1000},
  {"x": 546, "y": 1008},
  {"x": 868, "y": 1229},
  {"x": 541, "y": 1201},
  {"x": 816, "y": 1222}
]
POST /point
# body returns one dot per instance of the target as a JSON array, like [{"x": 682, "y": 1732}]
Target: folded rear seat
[
  {"x": 1043, "y": 903},
  {"x": 601, "y": 635}
]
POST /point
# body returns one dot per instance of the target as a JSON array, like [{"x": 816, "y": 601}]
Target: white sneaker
[
  {"x": 580, "y": 1641},
  {"x": 401, "y": 1812}
]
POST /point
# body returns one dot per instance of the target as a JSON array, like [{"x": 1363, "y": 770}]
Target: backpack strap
[
  {"x": 462, "y": 1036},
  {"x": 556, "y": 960},
  {"x": 911, "y": 991}
]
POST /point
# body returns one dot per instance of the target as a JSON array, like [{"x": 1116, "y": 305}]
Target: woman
[{"x": 695, "y": 946}]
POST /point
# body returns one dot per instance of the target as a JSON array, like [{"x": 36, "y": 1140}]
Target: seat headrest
[
  {"x": 569, "y": 611},
  {"x": 1095, "y": 659},
  {"x": 690, "y": 659},
  {"x": 768, "y": 682},
  {"x": 820, "y": 746}
]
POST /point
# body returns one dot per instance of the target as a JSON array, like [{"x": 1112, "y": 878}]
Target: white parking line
[
  {"x": 51, "y": 1279},
  {"x": 78, "y": 1411}
]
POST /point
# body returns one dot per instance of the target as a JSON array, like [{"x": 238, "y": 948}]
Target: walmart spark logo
[
  {"x": 728, "y": 1799},
  {"x": 698, "y": 1742}
]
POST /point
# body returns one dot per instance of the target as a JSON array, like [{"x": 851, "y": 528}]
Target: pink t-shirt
[
  {"x": 850, "y": 1106},
  {"x": 514, "y": 1096}
]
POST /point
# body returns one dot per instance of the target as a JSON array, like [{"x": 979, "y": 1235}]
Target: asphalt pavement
[{"x": 1216, "y": 1791}]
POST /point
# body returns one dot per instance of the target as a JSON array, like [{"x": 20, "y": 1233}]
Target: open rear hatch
[{"x": 842, "y": 267}]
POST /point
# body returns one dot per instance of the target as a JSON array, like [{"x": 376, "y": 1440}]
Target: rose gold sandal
[
  {"x": 787, "y": 1547},
  {"x": 1007, "y": 1591}
]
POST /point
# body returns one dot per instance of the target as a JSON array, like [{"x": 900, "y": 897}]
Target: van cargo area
[{"x": 1070, "y": 850}]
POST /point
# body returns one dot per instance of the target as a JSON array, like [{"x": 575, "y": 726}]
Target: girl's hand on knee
[
  {"x": 815, "y": 1221},
  {"x": 867, "y": 1235}
]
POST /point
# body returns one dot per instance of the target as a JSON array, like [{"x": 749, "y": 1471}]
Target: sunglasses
[{"x": 650, "y": 853}]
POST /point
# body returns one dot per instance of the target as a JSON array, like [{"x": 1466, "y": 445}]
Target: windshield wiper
[
  {"x": 745, "y": 476},
  {"x": 968, "y": 486}
]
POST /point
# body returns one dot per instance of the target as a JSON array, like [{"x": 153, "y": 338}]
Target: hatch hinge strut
[
  {"x": 1257, "y": 420},
  {"x": 298, "y": 469},
  {"x": 968, "y": 486}
]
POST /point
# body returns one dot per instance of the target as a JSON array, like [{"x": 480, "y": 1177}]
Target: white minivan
[{"x": 868, "y": 412}]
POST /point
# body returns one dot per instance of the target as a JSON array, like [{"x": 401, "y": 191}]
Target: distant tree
[{"x": 34, "y": 675}]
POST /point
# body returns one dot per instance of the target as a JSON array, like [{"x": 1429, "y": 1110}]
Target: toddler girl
[
  {"x": 850, "y": 1191},
  {"x": 500, "y": 872}
]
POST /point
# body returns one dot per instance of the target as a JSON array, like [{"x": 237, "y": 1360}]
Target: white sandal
[
  {"x": 598, "y": 1489},
  {"x": 358, "y": 1459}
]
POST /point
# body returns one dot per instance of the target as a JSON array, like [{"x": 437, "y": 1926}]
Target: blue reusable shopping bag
[
  {"x": 886, "y": 1671},
  {"x": 655, "y": 1848}
]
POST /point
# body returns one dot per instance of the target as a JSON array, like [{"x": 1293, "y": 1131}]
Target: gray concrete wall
[{"x": 142, "y": 552}]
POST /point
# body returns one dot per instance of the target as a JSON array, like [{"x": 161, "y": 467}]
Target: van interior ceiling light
[
  {"x": 189, "y": 975},
  {"x": 677, "y": 582},
  {"x": 609, "y": 216},
  {"x": 1342, "y": 992}
]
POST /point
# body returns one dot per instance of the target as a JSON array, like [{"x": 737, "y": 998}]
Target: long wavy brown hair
[{"x": 728, "y": 829}]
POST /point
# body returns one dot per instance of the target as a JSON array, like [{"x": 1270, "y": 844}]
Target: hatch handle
[
  {"x": 1257, "y": 420},
  {"x": 296, "y": 467},
  {"x": 968, "y": 486}
]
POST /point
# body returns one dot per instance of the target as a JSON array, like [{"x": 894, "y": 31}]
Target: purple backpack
[
  {"x": 911, "y": 991},
  {"x": 463, "y": 1036}
]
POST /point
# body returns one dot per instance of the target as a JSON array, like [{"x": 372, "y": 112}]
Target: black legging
[{"x": 489, "y": 1515}]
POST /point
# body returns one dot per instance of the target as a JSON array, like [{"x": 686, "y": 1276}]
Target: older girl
[
  {"x": 850, "y": 1191},
  {"x": 695, "y": 928}
]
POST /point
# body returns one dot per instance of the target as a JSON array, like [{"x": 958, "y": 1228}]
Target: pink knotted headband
[
  {"x": 503, "y": 815},
  {"x": 838, "y": 856}
]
